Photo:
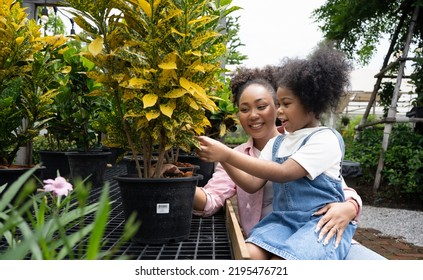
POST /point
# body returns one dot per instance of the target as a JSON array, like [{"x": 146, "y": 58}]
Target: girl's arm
[{"x": 212, "y": 151}]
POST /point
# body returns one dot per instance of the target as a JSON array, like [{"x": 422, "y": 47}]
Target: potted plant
[
  {"x": 76, "y": 116},
  {"x": 157, "y": 61},
  {"x": 58, "y": 138},
  {"x": 27, "y": 67}
]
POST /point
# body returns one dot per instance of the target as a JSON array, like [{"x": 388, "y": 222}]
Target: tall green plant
[
  {"x": 26, "y": 69},
  {"x": 157, "y": 60},
  {"x": 75, "y": 110}
]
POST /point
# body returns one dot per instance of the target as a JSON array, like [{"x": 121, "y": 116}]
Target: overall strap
[
  {"x": 340, "y": 140},
  {"x": 276, "y": 145}
]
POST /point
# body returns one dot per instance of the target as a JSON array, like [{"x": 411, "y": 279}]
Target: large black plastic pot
[
  {"x": 91, "y": 165},
  {"x": 54, "y": 161},
  {"x": 10, "y": 175},
  {"x": 162, "y": 205}
]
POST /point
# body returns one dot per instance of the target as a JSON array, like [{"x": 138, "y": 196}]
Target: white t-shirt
[{"x": 321, "y": 154}]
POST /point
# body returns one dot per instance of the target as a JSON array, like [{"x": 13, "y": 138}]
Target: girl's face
[
  {"x": 257, "y": 112},
  {"x": 291, "y": 111}
]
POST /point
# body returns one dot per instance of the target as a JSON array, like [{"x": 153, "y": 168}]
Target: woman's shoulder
[{"x": 245, "y": 146}]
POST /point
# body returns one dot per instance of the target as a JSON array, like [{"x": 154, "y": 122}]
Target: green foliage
[
  {"x": 402, "y": 170},
  {"x": 404, "y": 160},
  {"x": 385, "y": 94},
  {"x": 45, "y": 226},
  {"x": 365, "y": 150},
  {"x": 236, "y": 137},
  {"x": 26, "y": 69},
  {"x": 234, "y": 56},
  {"x": 358, "y": 26},
  {"x": 225, "y": 119},
  {"x": 416, "y": 78},
  {"x": 75, "y": 109}
]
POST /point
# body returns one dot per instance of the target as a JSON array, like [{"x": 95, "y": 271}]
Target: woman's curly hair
[
  {"x": 243, "y": 77},
  {"x": 319, "y": 80}
]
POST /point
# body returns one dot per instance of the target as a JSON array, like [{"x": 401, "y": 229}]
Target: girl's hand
[
  {"x": 336, "y": 218},
  {"x": 212, "y": 150}
]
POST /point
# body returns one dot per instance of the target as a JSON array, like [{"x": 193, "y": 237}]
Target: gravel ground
[{"x": 396, "y": 223}]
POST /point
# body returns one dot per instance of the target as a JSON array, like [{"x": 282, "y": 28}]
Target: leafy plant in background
[
  {"x": 404, "y": 160},
  {"x": 27, "y": 68},
  {"x": 53, "y": 224},
  {"x": 402, "y": 172},
  {"x": 416, "y": 78},
  {"x": 75, "y": 109},
  {"x": 385, "y": 94},
  {"x": 225, "y": 118}
]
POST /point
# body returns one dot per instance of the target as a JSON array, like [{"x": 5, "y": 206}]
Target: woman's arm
[{"x": 210, "y": 198}]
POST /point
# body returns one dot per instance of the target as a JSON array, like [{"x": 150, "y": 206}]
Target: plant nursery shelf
[{"x": 208, "y": 239}]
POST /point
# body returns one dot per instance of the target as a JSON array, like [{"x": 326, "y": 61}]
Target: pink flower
[{"x": 58, "y": 186}]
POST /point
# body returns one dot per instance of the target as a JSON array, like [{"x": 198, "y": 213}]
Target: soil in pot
[
  {"x": 205, "y": 168},
  {"x": 131, "y": 167}
]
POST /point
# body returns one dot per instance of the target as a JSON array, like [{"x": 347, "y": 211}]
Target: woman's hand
[{"x": 337, "y": 216}]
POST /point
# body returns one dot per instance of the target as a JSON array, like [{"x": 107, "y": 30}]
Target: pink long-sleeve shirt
[{"x": 221, "y": 187}]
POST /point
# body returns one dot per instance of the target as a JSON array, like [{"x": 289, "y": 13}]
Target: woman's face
[{"x": 257, "y": 112}]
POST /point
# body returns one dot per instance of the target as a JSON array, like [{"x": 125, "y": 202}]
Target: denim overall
[{"x": 288, "y": 231}]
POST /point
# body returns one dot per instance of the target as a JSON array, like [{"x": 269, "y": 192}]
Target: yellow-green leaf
[
  {"x": 96, "y": 46},
  {"x": 66, "y": 69},
  {"x": 153, "y": 114},
  {"x": 136, "y": 83},
  {"x": 222, "y": 130},
  {"x": 149, "y": 100},
  {"x": 156, "y": 3},
  {"x": 145, "y": 6},
  {"x": 175, "y": 93},
  {"x": 167, "y": 109},
  {"x": 185, "y": 84},
  {"x": 193, "y": 104},
  {"x": 177, "y": 32},
  {"x": 168, "y": 65},
  {"x": 19, "y": 40}
]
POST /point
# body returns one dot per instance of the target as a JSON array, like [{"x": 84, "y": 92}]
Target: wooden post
[{"x": 393, "y": 108}]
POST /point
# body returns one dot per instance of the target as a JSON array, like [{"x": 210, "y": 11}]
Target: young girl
[{"x": 304, "y": 163}]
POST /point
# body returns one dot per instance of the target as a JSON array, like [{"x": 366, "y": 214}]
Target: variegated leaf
[
  {"x": 152, "y": 114},
  {"x": 167, "y": 109},
  {"x": 149, "y": 100},
  {"x": 96, "y": 46}
]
